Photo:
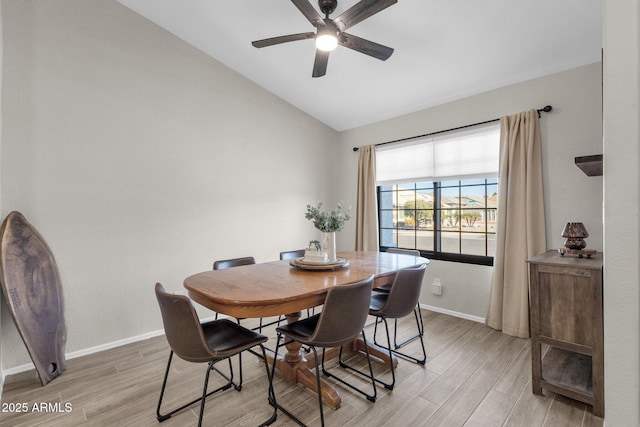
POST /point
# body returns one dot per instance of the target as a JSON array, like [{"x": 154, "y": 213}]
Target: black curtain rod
[{"x": 546, "y": 109}]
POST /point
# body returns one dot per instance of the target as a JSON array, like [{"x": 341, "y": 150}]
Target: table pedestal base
[{"x": 294, "y": 367}]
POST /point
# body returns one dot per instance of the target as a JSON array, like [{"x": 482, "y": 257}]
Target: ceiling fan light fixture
[
  {"x": 331, "y": 32},
  {"x": 326, "y": 42}
]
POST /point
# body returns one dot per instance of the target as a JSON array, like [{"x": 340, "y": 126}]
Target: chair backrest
[
  {"x": 413, "y": 252},
  {"x": 234, "y": 262},
  {"x": 182, "y": 326},
  {"x": 292, "y": 254},
  {"x": 344, "y": 314},
  {"x": 405, "y": 292}
]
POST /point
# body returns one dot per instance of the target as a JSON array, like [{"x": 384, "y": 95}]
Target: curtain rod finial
[{"x": 355, "y": 148}]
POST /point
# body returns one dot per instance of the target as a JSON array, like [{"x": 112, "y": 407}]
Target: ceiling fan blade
[
  {"x": 361, "y": 11},
  {"x": 283, "y": 39},
  {"x": 320, "y": 64},
  {"x": 309, "y": 12},
  {"x": 367, "y": 47}
]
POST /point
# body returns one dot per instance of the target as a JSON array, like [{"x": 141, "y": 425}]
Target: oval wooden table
[{"x": 276, "y": 288}]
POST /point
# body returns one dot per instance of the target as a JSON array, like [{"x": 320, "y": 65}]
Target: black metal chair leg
[
  {"x": 272, "y": 399},
  {"x": 318, "y": 383},
  {"x": 163, "y": 417},
  {"x": 370, "y": 397},
  {"x": 159, "y": 416},
  {"x": 388, "y": 386},
  {"x": 271, "y": 393},
  {"x": 393, "y": 374},
  {"x": 419, "y": 324},
  {"x": 223, "y": 375},
  {"x": 412, "y": 358},
  {"x": 375, "y": 330},
  {"x": 239, "y": 386},
  {"x": 408, "y": 356},
  {"x": 203, "y": 399}
]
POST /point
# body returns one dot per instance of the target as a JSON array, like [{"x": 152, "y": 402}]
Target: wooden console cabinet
[{"x": 566, "y": 314}]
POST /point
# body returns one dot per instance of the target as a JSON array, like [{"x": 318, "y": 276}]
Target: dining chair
[
  {"x": 398, "y": 303},
  {"x": 298, "y": 253},
  {"x": 238, "y": 262},
  {"x": 341, "y": 321},
  {"x": 209, "y": 342},
  {"x": 387, "y": 287},
  {"x": 233, "y": 262}
]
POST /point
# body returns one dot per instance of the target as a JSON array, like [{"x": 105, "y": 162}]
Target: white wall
[
  {"x": 621, "y": 207},
  {"x": 140, "y": 159},
  {"x": 573, "y": 128}
]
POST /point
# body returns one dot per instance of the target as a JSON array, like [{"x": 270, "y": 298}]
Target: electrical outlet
[{"x": 436, "y": 287}]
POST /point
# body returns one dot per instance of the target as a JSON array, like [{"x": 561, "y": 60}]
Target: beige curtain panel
[
  {"x": 367, "y": 203},
  {"x": 521, "y": 230}
]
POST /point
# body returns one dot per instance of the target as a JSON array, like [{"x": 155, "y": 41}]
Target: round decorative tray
[{"x": 305, "y": 265}]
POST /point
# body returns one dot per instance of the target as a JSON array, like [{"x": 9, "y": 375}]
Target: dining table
[{"x": 287, "y": 288}]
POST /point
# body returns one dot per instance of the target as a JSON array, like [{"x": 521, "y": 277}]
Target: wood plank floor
[{"x": 474, "y": 376}]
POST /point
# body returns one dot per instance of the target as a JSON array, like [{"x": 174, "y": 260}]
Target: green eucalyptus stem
[{"x": 327, "y": 221}]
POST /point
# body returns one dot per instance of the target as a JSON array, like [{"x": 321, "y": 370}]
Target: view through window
[{"x": 451, "y": 218}]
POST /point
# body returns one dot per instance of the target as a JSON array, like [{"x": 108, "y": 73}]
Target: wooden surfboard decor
[{"x": 32, "y": 289}]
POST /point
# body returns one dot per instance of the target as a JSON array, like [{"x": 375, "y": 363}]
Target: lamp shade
[{"x": 575, "y": 233}]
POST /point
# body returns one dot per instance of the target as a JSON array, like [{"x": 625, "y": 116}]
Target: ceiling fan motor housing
[{"x": 327, "y": 6}]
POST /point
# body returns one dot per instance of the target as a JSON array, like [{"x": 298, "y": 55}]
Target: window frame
[{"x": 437, "y": 252}]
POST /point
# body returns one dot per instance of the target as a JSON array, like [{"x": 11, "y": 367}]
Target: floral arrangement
[{"x": 327, "y": 221}]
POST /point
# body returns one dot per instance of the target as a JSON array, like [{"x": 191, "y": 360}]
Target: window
[{"x": 440, "y": 195}]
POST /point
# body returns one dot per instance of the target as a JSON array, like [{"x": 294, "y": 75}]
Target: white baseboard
[
  {"x": 453, "y": 313},
  {"x": 87, "y": 351}
]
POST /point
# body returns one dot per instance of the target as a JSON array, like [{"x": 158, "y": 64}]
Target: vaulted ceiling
[{"x": 443, "y": 50}]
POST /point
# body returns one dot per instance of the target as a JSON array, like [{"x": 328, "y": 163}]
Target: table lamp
[{"x": 575, "y": 233}]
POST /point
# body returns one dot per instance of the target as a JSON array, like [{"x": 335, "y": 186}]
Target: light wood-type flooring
[{"x": 474, "y": 376}]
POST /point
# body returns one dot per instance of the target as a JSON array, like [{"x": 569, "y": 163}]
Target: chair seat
[
  {"x": 226, "y": 338},
  {"x": 300, "y": 330},
  {"x": 377, "y": 302},
  {"x": 383, "y": 289}
]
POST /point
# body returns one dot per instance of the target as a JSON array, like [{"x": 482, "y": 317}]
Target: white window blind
[{"x": 461, "y": 155}]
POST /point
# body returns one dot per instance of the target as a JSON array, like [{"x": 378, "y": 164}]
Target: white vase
[{"x": 328, "y": 244}]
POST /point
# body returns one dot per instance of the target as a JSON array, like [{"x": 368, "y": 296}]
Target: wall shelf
[{"x": 590, "y": 165}]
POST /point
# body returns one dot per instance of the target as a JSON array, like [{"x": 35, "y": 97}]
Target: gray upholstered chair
[
  {"x": 209, "y": 342},
  {"x": 298, "y": 253},
  {"x": 342, "y": 320},
  {"x": 399, "y": 302},
  {"x": 233, "y": 262},
  {"x": 238, "y": 262},
  {"x": 387, "y": 287}
]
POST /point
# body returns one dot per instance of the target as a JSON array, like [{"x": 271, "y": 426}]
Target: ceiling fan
[{"x": 331, "y": 32}]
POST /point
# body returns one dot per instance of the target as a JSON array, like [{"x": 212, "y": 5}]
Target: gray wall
[
  {"x": 573, "y": 128},
  {"x": 140, "y": 159}
]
